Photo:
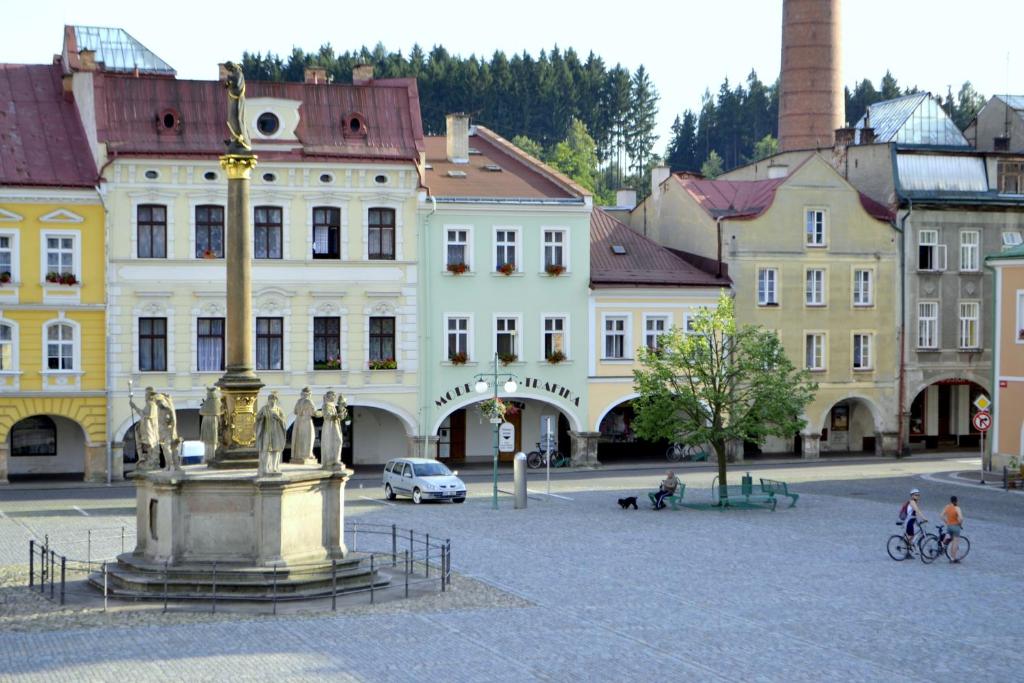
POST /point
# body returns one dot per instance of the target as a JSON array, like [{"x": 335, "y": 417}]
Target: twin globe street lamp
[{"x": 496, "y": 419}]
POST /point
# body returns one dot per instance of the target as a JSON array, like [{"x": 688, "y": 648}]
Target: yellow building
[
  {"x": 638, "y": 291},
  {"x": 818, "y": 262},
  {"x": 1007, "y": 431},
  {"x": 53, "y": 412}
]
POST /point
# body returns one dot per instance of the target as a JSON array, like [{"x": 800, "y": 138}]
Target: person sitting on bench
[{"x": 667, "y": 488}]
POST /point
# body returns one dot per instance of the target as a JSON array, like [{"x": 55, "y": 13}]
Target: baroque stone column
[{"x": 239, "y": 386}]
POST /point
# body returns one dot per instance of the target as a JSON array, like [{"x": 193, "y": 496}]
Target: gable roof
[
  {"x": 643, "y": 263},
  {"x": 913, "y": 120},
  {"x": 42, "y": 141},
  {"x": 115, "y": 50},
  {"x": 127, "y": 108},
  {"x": 1015, "y": 102},
  {"x": 497, "y": 169}
]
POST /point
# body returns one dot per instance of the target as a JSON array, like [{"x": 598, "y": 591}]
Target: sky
[{"x": 686, "y": 46}]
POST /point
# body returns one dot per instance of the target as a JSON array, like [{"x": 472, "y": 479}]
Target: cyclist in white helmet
[{"x": 914, "y": 515}]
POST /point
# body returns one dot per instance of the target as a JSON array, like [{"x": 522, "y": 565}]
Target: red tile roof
[
  {"x": 42, "y": 142},
  {"x": 521, "y": 176},
  {"x": 127, "y": 108},
  {"x": 644, "y": 263}
]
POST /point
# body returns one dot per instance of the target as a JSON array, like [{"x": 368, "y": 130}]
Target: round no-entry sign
[{"x": 982, "y": 421}]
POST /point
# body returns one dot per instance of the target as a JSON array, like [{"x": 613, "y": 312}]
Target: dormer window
[
  {"x": 168, "y": 121},
  {"x": 268, "y": 124},
  {"x": 354, "y": 125}
]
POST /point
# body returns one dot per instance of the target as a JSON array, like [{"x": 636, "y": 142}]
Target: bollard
[
  {"x": 63, "y": 576},
  {"x": 394, "y": 545},
  {"x": 334, "y": 585},
  {"x": 371, "y": 579},
  {"x": 519, "y": 479},
  {"x": 31, "y": 562}
]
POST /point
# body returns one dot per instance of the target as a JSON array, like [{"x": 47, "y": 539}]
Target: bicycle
[
  {"x": 677, "y": 452},
  {"x": 899, "y": 549},
  {"x": 940, "y": 542},
  {"x": 535, "y": 459}
]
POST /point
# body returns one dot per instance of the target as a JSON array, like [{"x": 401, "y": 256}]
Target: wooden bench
[
  {"x": 779, "y": 488},
  {"x": 1013, "y": 478},
  {"x": 674, "y": 500}
]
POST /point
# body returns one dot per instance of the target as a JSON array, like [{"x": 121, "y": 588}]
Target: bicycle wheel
[
  {"x": 963, "y": 547},
  {"x": 674, "y": 453},
  {"x": 534, "y": 460},
  {"x": 898, "y": 547},
  {"x": 930, "y": 548}
]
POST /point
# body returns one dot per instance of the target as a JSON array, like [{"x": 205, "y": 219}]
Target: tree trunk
[{"x": 720, "y": 452}]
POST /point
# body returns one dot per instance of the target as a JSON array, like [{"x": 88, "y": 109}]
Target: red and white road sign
[{"x": 982, "y": 421}]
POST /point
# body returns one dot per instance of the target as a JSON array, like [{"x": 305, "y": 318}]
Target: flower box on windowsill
[
  {"x": 5, "y": 279},
  {"x": 383, "y": 364},
  {"x": 331, "y": 364},
  {"x": 458, "y": 359},
  {"x": 508, "y": 358},
  {"x": 556, "y": 358},
  {"x": 208, "y": 254},
  {"x": 507, "y": 269},
  {"x": 65, "y": 279},
  {"x": 458, "y": 268},
  {"x": 554, "y": 269}
]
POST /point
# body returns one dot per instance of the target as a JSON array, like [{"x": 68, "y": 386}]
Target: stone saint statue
[
  {"x": 302, "y": 430},
  {"x": 147, "y": 431},
  {"x": 270, "y": 436},
  {"x": 239, "y": 142},
  {"x": 167, "y": 431},
  {"x": 210, "y": 413},
  {"x": 334, "y": 412}
]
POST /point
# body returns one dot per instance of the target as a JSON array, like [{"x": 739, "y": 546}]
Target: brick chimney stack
[
  {"x": 362, "y": 74},
  {"x": 315, "y": 75},
  {"x": 457, "y": 138},
  {"x": 811, "y": 99}
]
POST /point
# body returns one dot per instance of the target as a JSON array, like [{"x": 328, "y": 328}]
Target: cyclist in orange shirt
[{"x": 953, "y": 516}]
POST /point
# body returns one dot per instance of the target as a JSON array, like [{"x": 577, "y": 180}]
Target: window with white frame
[
  {"x": 505, "y": 250},
  {"x": 554, "y": 245},
  {"x": 930, "y": 254},
  {"x": 268, "y": 229},
  {"x": 927, "y": 325},
  {"x": 689, "y": 320},
  {"x": 862, "y": 357},
  {"x": 969, "y": 241},
  {"x": 60, "y": 346},
  {"x": 814, "y": 351},
  {"x": 863, "y": 290},
  {"x": 60, "y": 256},
  {"x": 6, "y": 347},
  {"x": 269, "y": 343},
  {"x": 456, "y": 247},
  {"x": 615, "y": 337},
  {"x": 815, "y": 289},
  {"x": 505, "y": 331},
  {"x": 554, "y": 338},
  {"x": 152, "y": 344},
  {"x": 7, "y": 258},
  {"x": 210, "y": 344},
  {"x": 1011, "y": 238},
  {"x": 814, "y": 227},
  {"x": 767, "y": 287},
  {"x": 457, "y": 328},
  {"x": 970, "y": 316},
  {"x": 654, "y": 327}
]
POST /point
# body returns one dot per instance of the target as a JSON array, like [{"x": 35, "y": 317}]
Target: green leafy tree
[
  {"x": 576, "y": 156},
  {"x": 712, "y": 166},
  {"x": 968, "y": 103},
  {"x": 529, "y": 146},
  {"x": 765, "y": 147},
  {"x": 723, "y": 383}
]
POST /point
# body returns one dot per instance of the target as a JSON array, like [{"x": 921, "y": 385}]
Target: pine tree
[
  {"x": 643, "y": 115},
  {"x": 681, "y": 154}
]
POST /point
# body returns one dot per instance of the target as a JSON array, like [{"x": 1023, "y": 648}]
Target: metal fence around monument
[{"x": 414, "y": 562}]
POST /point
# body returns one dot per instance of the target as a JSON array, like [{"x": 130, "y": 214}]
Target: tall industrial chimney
[{"x": 811, "y": 100}]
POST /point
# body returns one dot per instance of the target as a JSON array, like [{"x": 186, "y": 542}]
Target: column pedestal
[
  {"x": 811, "y": 446},
  {"x": 584, "y": 449},
  {"x": 423, "y": 446},
  {"x": 5, "y": 454}
]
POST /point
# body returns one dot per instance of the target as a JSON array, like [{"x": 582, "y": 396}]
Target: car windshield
[{"x": 431, "y": 469}]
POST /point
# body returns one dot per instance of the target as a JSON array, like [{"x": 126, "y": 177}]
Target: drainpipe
[
  {"x": 903, "y": 325},
  {"x": 718, "y": 226},
  {"x": 425, "y": 366},
  {"x": 106, "y": 359}
]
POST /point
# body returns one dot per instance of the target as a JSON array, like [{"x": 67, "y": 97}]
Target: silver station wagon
[{"x": 422, "y": 479}]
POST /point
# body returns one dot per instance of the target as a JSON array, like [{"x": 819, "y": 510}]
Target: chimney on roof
[
  {"x": 316, "y": 74},
  {"x": 659, "y": 174},
  {"x": 362, "y": 74},
  {"x": 867, "y": 135},
  {"x": 457, "y": 139},
  {"x": 845, "y": 137},
  {"x": 87, "y": 60},
  {"x": 625, "y": 198}
]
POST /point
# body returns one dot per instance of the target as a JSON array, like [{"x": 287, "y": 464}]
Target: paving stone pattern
[{"x": 802, "y": 594}]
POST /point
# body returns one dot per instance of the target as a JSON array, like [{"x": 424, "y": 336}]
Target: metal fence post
[
  {"x": 394, "y": 545},
  {"x": 442, "y": 567},
  {"x": 165, "y": 585},
  {"x": 214, "y": 606},
  {"x": 334, "y": 585},
  {"x": 448, "y": 562},
  {"x": 407, "y": 574},
  {"x": 63, "y": 564},
  {"x": 104, "y": 586},
  {"x": 53, "y": 562},
  {"x": 426, "y": 563},
  {"x": 88, "y": 546},
  {"x": 371, "y": 578},
  {"x": 42, "y": 562},
  {"x": 122, "y": 540},
  {"x": 31, "y": 562},
  {"x": 275, "y": 589}
]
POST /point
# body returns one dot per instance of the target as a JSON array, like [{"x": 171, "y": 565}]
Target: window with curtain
[
  {"x": 60, "y": 255},
  {"x": 6, "y": 347},
  {"x": 326, "y": 232},
  {"x": 381, "y": 234},
  {"x": 505, "y": 329},
  {"x": 60, "y": 347},
  {"x": 458, "y": 337},
  {"x": 862, "y": 294},
  {"x": 269, "y": 343},
  {"x": 210, "y": 344},
  {"x": 327, "y": 343},
  {"x": 455, "y": 247},
  {"x": 614, "y": 338},
  {"x": 6, "y": 255},
  {"x": 267, "y": 232},
  {"x": 554, "y": 241},
  {"x": 209, "y": 231},
  {"x": 152, "y": 344},
  {"x": 151, "y": 226},
  {"x": 554, "y": 337},
  {"x": 505, "y": 249},
  {"x": 382, "y": 338}
]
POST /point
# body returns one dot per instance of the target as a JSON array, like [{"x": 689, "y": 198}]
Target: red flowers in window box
[
  {"x": 554, "y": 269},
  {"x": 383, "y": 364},
  {"x": 209, "y": 253},
  {"x": 459, "y": 358},
  {"x": 556, "y": 357},
  {"x": 5, "y": 277},
  {"x": 458, "y": 268},
  {"x": 331, "y": 363},
  {"x": 61, "y": 278},
  {"x": 507, "y": 268},
  {"x": 507, "y": 358}
]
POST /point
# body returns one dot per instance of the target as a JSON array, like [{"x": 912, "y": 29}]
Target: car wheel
[
  {"x": 417, "y": 497},
  {"x": 388, "y": 493},
  {"x": 458, "y": 500}
]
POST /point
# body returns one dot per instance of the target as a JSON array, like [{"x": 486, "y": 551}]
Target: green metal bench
[
  {"x": 742, "y": 495},
  {"x": 675, "y": 500},
  {"x": 778, "y": 488}
]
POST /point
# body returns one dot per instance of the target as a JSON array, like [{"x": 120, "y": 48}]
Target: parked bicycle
[
  {"x": 900, "y": 549},
  {"x": 940, "y": 543},
  {"x": 678, "y": 452},
  {"x": 535, "y": 459}
]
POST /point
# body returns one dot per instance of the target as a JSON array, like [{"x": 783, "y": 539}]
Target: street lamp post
[{"x": 481, "y": 387}]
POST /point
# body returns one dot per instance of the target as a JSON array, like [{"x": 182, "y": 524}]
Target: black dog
[{"x": 624, "y": 503}]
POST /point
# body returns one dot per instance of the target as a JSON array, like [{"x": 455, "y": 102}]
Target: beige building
[
  {"x": 818, "y": 262},
  {"x": 1007, "y": 433}
]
